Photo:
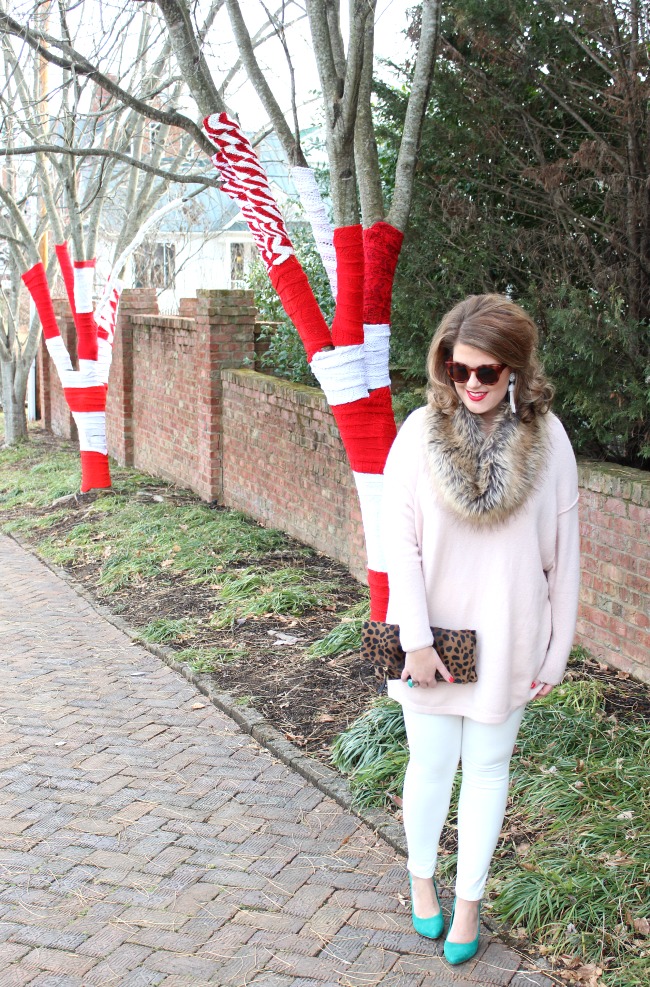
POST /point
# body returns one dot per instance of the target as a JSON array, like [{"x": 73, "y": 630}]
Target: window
[
  {"x": 155, "y": 266},
  {"x": 240, "y": 262}
]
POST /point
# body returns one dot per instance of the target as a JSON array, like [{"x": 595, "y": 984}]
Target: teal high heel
[
  {"x": 460, "y": 952},
  {"x": 430, "y": 928}
]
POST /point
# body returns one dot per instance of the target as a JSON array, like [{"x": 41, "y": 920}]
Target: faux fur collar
[{"x": 484, "y": 479}]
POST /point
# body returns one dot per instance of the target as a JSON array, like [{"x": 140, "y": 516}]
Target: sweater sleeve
[
  {"x": 564, "y": 576},
  {"x": 408, "y": 601}
]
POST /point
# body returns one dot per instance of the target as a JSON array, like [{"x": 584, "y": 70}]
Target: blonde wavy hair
[{"x": 498, "y": 326}]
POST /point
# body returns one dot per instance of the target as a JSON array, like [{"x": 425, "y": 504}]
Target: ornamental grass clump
[
  {"x": 346, "y": 636},
  {"x": 572, "y": 870}
]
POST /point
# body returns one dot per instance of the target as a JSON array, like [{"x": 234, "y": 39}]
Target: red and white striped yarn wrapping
[
  {"x": 245, "y": 180},
  {"x": 354, "y": 375},
  {"x": 85, "y": 388},
  {"x": 106, "y": 319}
]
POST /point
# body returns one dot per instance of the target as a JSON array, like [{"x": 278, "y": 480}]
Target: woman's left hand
[{"x": 544, "y": 691}]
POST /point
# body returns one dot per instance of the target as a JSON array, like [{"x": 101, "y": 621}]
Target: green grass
[
  {"x": 203, "y": 659},
  {"x": 251, "y": 593},
  {"x": 346, "y": 636},
  {"x": 164, "y": 630},
  {"x": 31, "y": 522},
  {"x": 24, "y": 482},
  {"x": 135, "y": 541},
  {"x": 580, "y": 875}
]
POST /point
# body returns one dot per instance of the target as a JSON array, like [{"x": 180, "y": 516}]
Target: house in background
[{"x": 206, "y": 242}]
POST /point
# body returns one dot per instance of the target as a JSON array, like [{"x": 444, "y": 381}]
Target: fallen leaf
[
  {"x": 642, "y": 926},
  {"x": 165, "y": 564},
  {"x": 198, "y": 705},
  {"x": 325, "y": 718},
  {"x": 396, "y": 800},
  {"x": 589, "y": 972}
]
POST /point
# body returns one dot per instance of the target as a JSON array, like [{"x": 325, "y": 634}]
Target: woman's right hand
[{"x": 421, "y": 666}]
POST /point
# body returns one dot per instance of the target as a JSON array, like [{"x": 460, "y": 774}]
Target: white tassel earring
[{"x": 511, "y": 392}]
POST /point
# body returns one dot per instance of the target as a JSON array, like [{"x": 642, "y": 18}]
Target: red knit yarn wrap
[
  {"x": 95, "y": 474},
  {"x": 367, "y": 428},
  {"x": 381, "y": 243},
  {"x": 86, "y": 398},
  {"x": 347, "y": 327},
  {"x": 378, "y": 584},
  {"x": 291, "y": 284},
  {"x": 86, "y": 336},
  {"x": 36, "y": 283}
]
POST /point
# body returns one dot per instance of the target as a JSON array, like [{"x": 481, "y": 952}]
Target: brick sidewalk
[{"x": 145, "y": 840}]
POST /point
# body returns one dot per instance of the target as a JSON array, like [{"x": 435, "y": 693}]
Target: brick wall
[
  {"x": 614, "y": 618},
  {"x": 284, "y": 464}
]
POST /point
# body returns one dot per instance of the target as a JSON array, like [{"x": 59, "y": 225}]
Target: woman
[{"x": 481, "y": 533}]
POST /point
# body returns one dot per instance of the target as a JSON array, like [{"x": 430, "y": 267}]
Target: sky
[
  {"x": 390, "y": 43},
  {"x": 112, "y": 26}
]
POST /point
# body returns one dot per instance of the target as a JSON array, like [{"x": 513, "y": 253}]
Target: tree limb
[
  {"x": 101, "y": 152},
  {"x": 366, "y": 157},
  {"x": 73, "y": 61},
  {"x": 415, "y": 111},
  {"x": 247, "y": 54}
]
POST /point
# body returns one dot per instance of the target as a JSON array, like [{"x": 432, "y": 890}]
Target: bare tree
[
  {"x": 79, "y": 165},
  {"x": 355, "y": 349}
]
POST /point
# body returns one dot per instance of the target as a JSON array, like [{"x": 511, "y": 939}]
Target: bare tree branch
[
  {"x": 73, "y": 61},
  {"x": 195, "y": 178},
  {"x": 247, "y": 54},
  {"x": 417, "y": 104},
  {"x": 366, "y": 156},
  {"x": 189, "y": 56}
]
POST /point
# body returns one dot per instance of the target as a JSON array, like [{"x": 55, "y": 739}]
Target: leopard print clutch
[{"x": 380, "y": 645}]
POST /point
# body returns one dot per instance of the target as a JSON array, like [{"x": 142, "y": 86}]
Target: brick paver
[{"x": 145, "y": 840}]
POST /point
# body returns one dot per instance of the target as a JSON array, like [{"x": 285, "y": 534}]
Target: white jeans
[{"x": 436, "y": 743}]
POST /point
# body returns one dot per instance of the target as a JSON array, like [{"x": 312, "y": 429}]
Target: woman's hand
[
  {"x": 543, "y": 688},
  {"x": 420, "y": 666}
]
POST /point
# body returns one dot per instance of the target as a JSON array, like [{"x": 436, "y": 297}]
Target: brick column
[
  {"x": 60, "y": 420},
  {"x": 225, "y": 325},
  {"x": 45, "y": 369},
  {"x": 119, "y": 403}
]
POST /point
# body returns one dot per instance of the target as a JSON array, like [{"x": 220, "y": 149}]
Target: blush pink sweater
[{"x": 515, "y": 584}]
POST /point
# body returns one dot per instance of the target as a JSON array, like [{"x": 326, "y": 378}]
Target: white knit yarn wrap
[
  {"x": 312, "y": 202},
  {"x": 376, "y": 349},
  {"x": 341, "y": 373},
  {"x": 91, "y": 426},
  {"x": 84, "y": 278},
  {"x": 104, "y": 358},
  {"x": 60, "y": 356},
  {"x": 106, "y": 311},
  {"x": 370, "y": 487},
  {"x": 88, "y": 375}
]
